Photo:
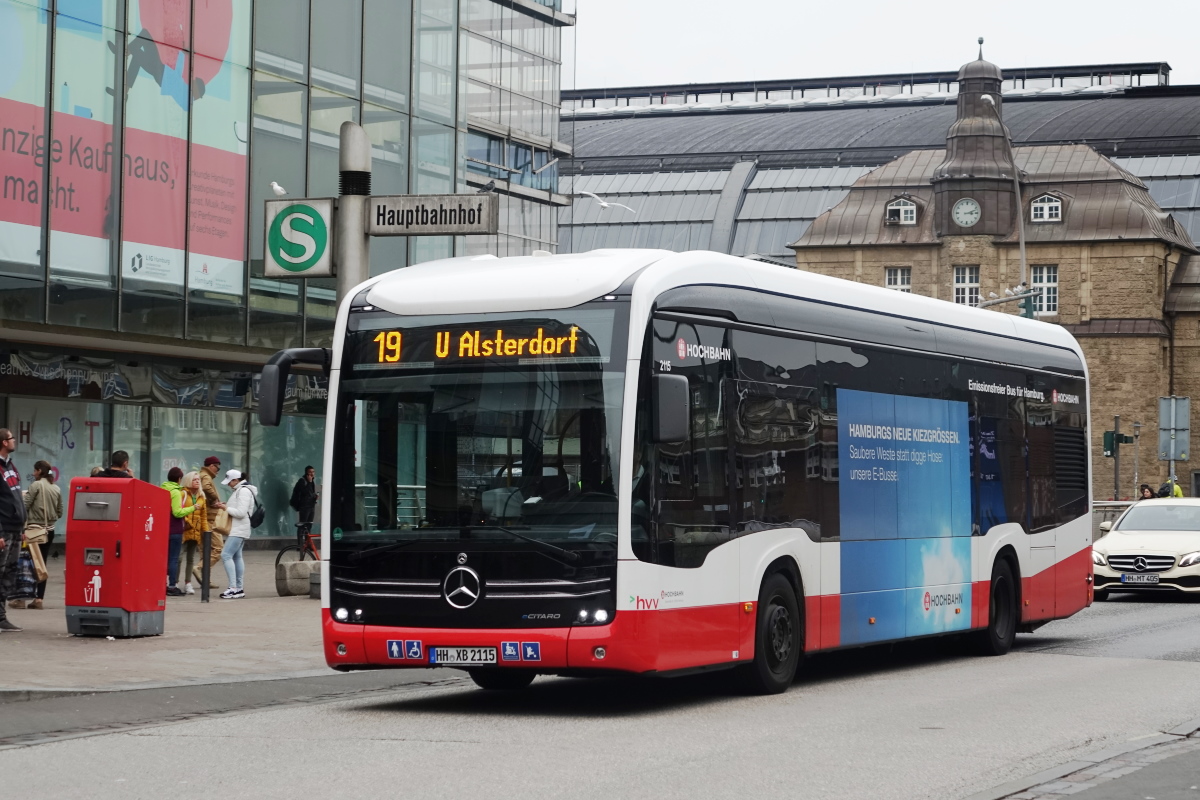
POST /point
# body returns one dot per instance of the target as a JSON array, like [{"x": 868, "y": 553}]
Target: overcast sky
[{"x": 639, "y": 42}]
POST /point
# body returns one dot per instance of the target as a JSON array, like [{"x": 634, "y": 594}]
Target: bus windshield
[{"x": 480, "y": 428}]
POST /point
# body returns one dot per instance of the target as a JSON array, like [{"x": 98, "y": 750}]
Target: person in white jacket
[{"x": 240, "y": 506}]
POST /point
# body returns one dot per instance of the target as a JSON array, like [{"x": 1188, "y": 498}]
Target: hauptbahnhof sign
[{"x": 433, "y": 215}]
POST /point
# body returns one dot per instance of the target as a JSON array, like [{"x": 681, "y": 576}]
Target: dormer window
[
  {"x": 1046, "y": 208},
  {"x": 901, "y": 212}
]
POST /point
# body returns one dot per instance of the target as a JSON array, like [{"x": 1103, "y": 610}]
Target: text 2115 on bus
[{"x": 648, "y": 462}]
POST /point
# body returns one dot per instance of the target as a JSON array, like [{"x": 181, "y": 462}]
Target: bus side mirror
[
  {"x": 271, "y": 386},
  {"x": 672, "y": 409},
  {"x": 274, "y": 377}
]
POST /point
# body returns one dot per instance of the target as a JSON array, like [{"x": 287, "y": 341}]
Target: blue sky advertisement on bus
[{"x": 905, "y": 499}]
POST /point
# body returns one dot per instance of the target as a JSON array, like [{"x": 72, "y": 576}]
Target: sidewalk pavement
[{"x": 262, "y": 636}]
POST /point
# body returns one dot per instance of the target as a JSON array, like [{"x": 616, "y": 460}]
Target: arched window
[
  {"x": 901, "y": 212},
  {"x": 1046, "y": 208}
]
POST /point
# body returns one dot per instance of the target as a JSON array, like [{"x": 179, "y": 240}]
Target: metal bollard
[{"x": 205, "y": 564}]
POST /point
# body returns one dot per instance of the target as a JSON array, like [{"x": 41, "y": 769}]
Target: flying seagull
[
  {"x": 277, "y": 189},
  {"x": 605, "y": 204}
]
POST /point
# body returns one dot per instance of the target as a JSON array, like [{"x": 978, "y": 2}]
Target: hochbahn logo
[
  {"x": 686, "y": 349},
  {"x": 938, "y": 600},
  {"x": 1062, "y": 397}
]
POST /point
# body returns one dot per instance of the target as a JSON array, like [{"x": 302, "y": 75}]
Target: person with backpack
[{"x": 247, "y": 513}]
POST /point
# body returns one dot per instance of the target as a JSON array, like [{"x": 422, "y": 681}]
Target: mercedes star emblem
[
  {"x": 462, "y": 587},
  {"x": 1140, "y": 564}
]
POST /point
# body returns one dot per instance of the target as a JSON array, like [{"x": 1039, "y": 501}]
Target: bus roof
[{"x": 479, "y": 284}]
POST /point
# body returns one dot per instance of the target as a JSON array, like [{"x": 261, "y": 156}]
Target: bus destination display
[{"x": 519, "y": 342}]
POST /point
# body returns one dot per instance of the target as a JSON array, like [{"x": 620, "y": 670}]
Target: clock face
[{"x": 965, "y": 212}]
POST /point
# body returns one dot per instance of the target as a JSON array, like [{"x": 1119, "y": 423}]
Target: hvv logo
[{"x": 644, "y": 603}]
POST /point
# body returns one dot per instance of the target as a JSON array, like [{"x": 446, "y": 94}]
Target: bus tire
[
  {"x": 1003, "y": 613},
  {"x": 502, "y": 680},
  {"x": 778, "y": 639}
]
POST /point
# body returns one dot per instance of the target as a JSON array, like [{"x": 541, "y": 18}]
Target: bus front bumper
[{"x": 612, "y": 647}]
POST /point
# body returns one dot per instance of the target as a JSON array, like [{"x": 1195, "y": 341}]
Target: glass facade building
[{"x": 138, "y": 142}]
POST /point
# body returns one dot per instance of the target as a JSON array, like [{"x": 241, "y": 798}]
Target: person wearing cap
[
  {"x": 240, "y": 507},
  {"x": 213, "y": 504}
]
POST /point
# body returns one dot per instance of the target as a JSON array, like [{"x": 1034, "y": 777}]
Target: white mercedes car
[{"x": 1153, "y": 547}]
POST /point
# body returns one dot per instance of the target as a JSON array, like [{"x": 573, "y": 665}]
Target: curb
[
  {"x": 1083, "y": 762},
  {"x": 21, "y": 693}
]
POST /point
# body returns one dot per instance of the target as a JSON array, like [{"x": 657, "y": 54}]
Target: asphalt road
[{"x": 921, "y": 720}]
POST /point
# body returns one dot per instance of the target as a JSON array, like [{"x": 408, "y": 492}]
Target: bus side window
[{"x": 691, "y": 480}]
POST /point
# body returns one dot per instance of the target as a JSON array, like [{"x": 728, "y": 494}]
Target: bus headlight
[
  {"x": 1098, "y": 558},
  {"x": 341, "y": 615},
  {"x": 601, "y": 616},
  {"x": 583, "y": 615},
  {"x": 1190, "y": 560}
]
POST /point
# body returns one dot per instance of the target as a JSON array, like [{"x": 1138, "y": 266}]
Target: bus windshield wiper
[
  {"x": 354, "y": 558},
  {"x": 570, "y": 555}
]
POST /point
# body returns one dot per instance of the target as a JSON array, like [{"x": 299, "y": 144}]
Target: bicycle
[{"x": 307, "y": 546}]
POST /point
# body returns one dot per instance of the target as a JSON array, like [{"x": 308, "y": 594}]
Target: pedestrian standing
[
  {"x": 240, "y": 507},
  {"x": 212, "y": 501},
  {"x": 43, "y": 508},
  {"x": 179, "y": 510},
  {"x": 194, "y": 526},
  {"x": 1146, "y": 493},
  {"x": 118, "y": 466},
  {"x": 304, "y": 500},
  {"x": 12, "y": 524}
]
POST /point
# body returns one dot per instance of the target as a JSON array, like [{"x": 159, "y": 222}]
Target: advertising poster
[
  {"x": 220, "y": 136},
  {"x": 159, "y": 87},
  {"x": 165, "y": 83},
  {"x": 905, "y": 500},
  {"x": 22, "y": 131},
  {"x": 84, "y": 168}
]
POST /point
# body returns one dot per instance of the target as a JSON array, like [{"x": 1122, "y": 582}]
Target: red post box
[{"x": 116, "y": 557}]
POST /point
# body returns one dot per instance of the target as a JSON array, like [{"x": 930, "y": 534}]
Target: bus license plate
[
  {"x": 1151, "y": 578},
  {"x": 462, "y": 655}
]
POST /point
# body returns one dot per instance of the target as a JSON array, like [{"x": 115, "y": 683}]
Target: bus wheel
[
  {"x": 501, "y": 680},
  {"x": 997, "y": 639},
  {"x": 778, "y": 641}
]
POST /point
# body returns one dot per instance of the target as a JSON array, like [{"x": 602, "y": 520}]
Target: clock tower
[{"x": 973, "y": 187}]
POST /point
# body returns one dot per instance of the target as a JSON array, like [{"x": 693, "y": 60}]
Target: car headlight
[
  {"x": 1098, "y": 558},
  {"x": 1190, "y": 560}
]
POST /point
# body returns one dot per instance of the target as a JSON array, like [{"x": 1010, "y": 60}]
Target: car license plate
[
  {"x": 1151, "y": 578},
  {"x": 462, "y": 655}
]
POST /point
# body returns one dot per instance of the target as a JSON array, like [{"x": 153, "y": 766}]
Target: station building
[
  {"x": 907, "y": 182},
  {"x": 138, "y": 142}
]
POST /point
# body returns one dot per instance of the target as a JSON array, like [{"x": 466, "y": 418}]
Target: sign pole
[
  {"x": 1171, "y": 463},
  {"x": 352, "y": 246},
  {"x": 1137, "y": 436}
]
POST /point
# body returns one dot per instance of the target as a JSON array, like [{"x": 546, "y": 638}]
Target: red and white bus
[{"x": 652, "y": 462}]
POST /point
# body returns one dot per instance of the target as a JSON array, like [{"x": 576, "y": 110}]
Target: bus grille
[
  {"x": 540, "y": 589},
  {"x": 405, "y": 590},
  {"x": 1146, "y": 563},
  {"x": 545, "y": 589}
]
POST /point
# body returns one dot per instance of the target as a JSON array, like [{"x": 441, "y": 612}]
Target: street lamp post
[{"x": 1027, "y": 304}]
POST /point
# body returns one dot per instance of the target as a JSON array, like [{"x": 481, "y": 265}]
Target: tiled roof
[{"x": 1101, "y": 202}]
